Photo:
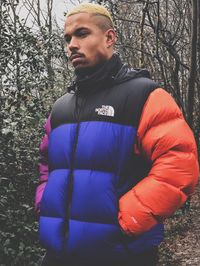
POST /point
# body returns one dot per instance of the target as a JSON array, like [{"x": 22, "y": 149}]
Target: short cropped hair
[{"x": 103, "y": 16}]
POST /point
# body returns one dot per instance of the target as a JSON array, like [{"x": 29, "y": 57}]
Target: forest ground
[{"x": 182, "y": 236}]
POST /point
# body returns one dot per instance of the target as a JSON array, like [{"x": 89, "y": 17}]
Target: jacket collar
[
  {"x": 101, "y": 77},
  {"x": 110, "y": 73}
]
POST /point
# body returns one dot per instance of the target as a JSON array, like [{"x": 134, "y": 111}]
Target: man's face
[{"x": 87, "y": 44}]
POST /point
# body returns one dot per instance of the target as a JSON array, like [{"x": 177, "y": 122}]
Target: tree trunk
[
  {"x": 142, "y": 33},
  {"x": 193, "y": 64}
]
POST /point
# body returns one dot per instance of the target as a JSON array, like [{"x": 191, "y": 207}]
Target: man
[{"x": 121, "y": 157}]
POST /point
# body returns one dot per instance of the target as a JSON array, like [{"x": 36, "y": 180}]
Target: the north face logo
[{"x": 106, "y": 110}]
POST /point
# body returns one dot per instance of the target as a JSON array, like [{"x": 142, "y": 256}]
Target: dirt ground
[{"x": 182, "y": 236}]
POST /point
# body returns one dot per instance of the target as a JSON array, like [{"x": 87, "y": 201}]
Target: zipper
[{"x": 78, "y": 109}]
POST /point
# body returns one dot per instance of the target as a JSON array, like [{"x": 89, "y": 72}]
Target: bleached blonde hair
[{"x": 93, "y": 9}]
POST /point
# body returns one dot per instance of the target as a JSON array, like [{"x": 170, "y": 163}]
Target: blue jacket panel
[{"x": 92, "y": 230}]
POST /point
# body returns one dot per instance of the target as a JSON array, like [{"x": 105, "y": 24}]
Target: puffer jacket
[{"x": 117, "y": 159}]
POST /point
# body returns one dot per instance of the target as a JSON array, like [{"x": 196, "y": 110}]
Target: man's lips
[{"x": 75, "y": 56}]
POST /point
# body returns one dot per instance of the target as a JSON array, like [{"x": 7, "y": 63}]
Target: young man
[{"x": 121, "y": 157}]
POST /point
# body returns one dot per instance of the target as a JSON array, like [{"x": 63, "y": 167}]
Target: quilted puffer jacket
[{"x": 117, "y": 159}]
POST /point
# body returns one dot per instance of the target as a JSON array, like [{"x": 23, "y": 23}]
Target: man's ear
[{"x": 110, "y": 38}]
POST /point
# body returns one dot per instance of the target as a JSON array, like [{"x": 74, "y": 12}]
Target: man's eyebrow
[
  {"x": 80, "y": 29},
  {"x": 76, "y": 31}
]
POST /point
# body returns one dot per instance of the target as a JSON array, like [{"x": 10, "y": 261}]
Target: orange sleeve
[{"x": 166, "y": 140}]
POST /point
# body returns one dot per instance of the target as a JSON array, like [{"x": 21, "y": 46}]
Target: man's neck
[
  {"x": 88, "y": 71},
  {"x": 100, "y": 74}
]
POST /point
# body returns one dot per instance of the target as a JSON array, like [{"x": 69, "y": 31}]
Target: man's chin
[
  {"x": 81, "y": 69},
  {"x": 87, "y": 69}
]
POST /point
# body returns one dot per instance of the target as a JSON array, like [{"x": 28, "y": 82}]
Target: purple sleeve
[{"x": 43, "y": 165}]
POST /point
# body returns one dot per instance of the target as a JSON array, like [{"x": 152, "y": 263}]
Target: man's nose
[{"x": 73, "y": 44}]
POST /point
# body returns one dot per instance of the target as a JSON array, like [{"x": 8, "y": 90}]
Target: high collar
[
  {"x": 103, "y": 75},
  {"x": 110, "y": 73}
]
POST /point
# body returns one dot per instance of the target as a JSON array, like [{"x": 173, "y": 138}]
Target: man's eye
[
  {"x": 82, "y": 34},
  {"x": 67, "y": 39}
]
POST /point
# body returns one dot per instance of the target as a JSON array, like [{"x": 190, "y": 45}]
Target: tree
[
  {"x": 162, "y": 36},
  {"x": 193, "y": 63}
]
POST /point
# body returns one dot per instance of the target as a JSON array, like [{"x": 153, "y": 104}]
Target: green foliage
[
  {"x": 18, "y": 232},
  {"x": 27, "y": 90}
]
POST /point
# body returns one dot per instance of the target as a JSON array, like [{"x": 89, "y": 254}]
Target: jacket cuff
[{"x": 134, "y": 218}]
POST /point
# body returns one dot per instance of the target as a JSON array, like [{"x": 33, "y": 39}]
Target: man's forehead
[{"x": 77, "y": 21}]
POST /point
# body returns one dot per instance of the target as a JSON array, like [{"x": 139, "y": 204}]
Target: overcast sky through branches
[{"x": 59, "y": 8}]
